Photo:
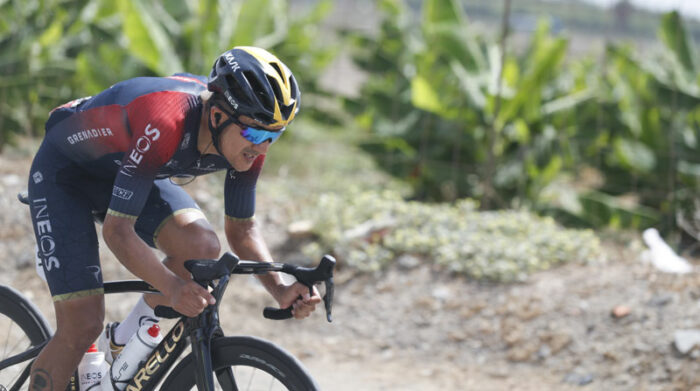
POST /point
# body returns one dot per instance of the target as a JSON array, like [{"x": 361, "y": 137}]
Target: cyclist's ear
[{"x": 217, "y": 113}]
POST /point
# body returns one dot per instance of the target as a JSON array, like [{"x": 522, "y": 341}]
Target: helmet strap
[{"x": 217, "y": 130}]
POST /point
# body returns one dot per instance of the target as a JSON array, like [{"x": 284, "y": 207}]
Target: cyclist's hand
[
  {"x": 189, "y": 298},
  {"x": 301, "y": 306}
]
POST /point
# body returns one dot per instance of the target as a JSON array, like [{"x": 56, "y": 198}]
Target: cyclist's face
[{"x": 240, "y": 152}]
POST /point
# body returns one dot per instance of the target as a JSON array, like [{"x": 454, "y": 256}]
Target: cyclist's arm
[
  {"x": 135, "y": 255},
  {"x": 242, "y": 232},
  {"x": 185, "y": 297},
  {"x": 157, "y": 121},
  {"x": 245, "y": 239}
]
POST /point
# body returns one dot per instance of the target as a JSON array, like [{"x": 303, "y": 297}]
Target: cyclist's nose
[{"x": 262, "y": 147}]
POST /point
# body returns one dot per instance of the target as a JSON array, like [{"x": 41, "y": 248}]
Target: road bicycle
[{"x": 216, "y": 361}]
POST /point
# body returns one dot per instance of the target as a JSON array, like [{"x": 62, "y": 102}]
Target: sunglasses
[{"x": 257, "y": 136}]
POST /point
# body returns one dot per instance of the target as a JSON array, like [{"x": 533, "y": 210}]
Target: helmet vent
[
  {"x": 276, "y": 88},
  {"x": 278, "y": 69},
  {"x": 236, "y": 90},
  {"x": 259, "y": 90},
  {"x": 287, "y": 110},
  {"x": 293, "y": 87}
]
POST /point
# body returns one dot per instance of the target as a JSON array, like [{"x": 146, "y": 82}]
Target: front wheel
[
  {"x": 245, "y": 363},
  {"x": 21, "y": 327}
]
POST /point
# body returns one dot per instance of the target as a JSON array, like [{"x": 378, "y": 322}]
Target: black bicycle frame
[
  {"x": 203, "y": 328},
  {"x": 200, "y": 330},
  {"x": 151, "y": 371},
  {"x": 109, "y": 287}
]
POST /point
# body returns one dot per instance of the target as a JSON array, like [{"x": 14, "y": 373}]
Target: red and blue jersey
[{"x": 140, "y": 130}]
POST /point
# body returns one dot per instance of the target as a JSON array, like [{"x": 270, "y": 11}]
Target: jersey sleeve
[
  {"x": 239, "y": 191},
  {"x": 156, "y": 123}
]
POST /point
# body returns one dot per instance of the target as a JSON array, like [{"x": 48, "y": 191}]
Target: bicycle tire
[
  {"x": 245, "y": 353},
  {"x": 15, "y": 309}
]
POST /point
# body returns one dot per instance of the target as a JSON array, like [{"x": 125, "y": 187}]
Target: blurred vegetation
[
  {"x": 595, "y": 142},
  {"x": 370, "y": 229},
  {"x": 359, "y": 214},
  {"x": 602, "y": 140},
  {"x": 54, "y": 51},
  {"x": 621, "y": 20}
]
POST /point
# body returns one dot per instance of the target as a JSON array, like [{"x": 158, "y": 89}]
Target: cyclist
[{"x": 116, "y": 153}]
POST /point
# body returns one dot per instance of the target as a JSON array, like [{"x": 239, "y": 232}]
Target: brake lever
[
  {"x": 323, "y": 272},
  {"x": 328, "y": 298}
]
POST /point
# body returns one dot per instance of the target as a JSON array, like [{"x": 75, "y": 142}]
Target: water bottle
[
  {"x": 92, "y": 369},
  {"x": 138, "y": 348}
]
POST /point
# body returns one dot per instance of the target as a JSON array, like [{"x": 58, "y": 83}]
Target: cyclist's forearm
[
  {"x": 247, "y": 242},
  {"x": 136, "y": 256}
]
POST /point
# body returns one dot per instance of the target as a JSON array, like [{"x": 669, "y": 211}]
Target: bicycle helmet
[{"x": 253, "y": 82}]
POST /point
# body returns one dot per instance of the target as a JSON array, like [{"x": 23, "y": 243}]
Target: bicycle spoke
[
  {"x": 26, "y": 332},
  {"x": 9, "y": 351},
  {"x": 7, "y": 340},
  {"x": 22, "y": 378},
  {"x": 252, "y": 379},
  {"x": 17, "y": 344},
  {"x": 14, "y": 376},
  {"x": 252, "y": 375}
]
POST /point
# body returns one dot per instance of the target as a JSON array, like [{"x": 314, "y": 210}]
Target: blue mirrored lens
[{"x": 259, "y": 136}]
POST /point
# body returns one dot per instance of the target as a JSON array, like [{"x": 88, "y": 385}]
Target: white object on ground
[
  {"x": 686, "y": 340},
  {"x": 662, "y": 256}
]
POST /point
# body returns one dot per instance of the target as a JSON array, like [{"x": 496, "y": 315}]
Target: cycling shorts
[{"x": 62, "y": 199}]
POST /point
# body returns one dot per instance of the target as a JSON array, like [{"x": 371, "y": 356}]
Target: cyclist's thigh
[
  {"x": 64, "y": 229},
  {"x": 169, "y": 207}
]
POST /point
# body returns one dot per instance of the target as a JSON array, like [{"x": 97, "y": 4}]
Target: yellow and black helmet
[{"x": 253, "y": 82}]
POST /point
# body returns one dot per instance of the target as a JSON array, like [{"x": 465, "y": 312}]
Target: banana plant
[
  {"x": 450, "y": 75},
  {"x": 36, "y": 56},
  {"x": 433, "y": 95},
  {"x": 57, "y": 50}
]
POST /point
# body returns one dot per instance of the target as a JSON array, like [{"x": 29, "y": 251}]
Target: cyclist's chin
[{"x": 242, "y": 164}]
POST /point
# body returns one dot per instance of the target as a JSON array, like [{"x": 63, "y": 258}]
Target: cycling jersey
[
  {"x": 115, "y": 152},
  {"x": 144, "y": 129}
]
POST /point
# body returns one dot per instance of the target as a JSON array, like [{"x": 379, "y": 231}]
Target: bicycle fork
[
  {"x": 201, "y": 349},
  {"x": 205, "y": 328}
]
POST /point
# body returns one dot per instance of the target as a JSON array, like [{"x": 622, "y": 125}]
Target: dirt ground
[{"x": 414, "y": 327}]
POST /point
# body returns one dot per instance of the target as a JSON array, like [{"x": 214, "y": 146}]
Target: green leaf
[
  {"x": 544, "y": 63},
  {"x": 140, "y": 42},
  {"x": 551, "y": 170},
  {"x": 424, "y": 96},
  {"x": 676, "y": 39},
  {"x": 521, "y": 132},
  {"x": 443, "y": 12},
  {"x": 259, "y": 22},
  {"x": 601, "y": 209},
  {"x": 147, "y": 40},
  {"x": 85, "y": 68},
  {"x": 688, "y": 168},
  {"x": 568, "y": 102},
  {"x": 634, "y": 155},
  {"x": 470, "y": 85},
  {"x": 52, "y": 34}
]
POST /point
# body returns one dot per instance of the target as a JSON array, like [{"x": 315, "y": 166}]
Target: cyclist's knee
[
  {"x": 189, "y": 240},
  {"x": 79, "y": 322},
  {"x": 205, "y": 244}
]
